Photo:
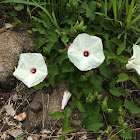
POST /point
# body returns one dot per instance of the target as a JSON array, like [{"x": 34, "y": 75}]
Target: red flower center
[
  {"x": 33, "y": 70},
  {"x": 86, "y": 53}
]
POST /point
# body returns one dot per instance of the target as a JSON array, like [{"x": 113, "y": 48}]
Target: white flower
[
  {"x": 65, "y": 99},
  {"x": 134, "y": 61},
  {"x": 31, "y": 69},
  {"x": 86, "y": 52}
]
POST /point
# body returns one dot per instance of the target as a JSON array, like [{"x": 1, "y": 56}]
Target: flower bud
[
  {"x": 84, "y": 28},
  {"x": 65, "y": 99},
  {"x": 81, "y": 25},
  {"x": 109, "y": 110},
  {"x": 99, "y": 97},
  {"x": 83, "y": 78},
  {"x": 120, "y": 120},
  {"x": 109, "y": 128},
  {"x": 125, "y": 125},
  {"x": 76, "y": 26},
  {"x": 96, "y": 94},
  {"x": 121, "y": 111}
]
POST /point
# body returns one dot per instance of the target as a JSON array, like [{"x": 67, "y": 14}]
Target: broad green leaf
[
  {"x": 113, "y": 104},
  {"x": 80, "y": 106},
  {"x": 122, "y": 77},
  {"x": 94, "y": 127},
  {"x": 68, "y": 112},
  {"x": 90, "y": 9},
  {"x": 122, "y": 59},
  {"x": 62, "y": 57},
  {"x": 66, "y": 66},
  {"x": 41, "y": 85},
  {"x": 96, "y": 83},
  {"x": 39, "y": 29},
  {"x": 19, "y": 7},
  {"x": 53, "y": 70},
  {"x": 65, "y": 39},
  {"x": 132, "y": 107},
  {"x": 105, "y": 70},
  {"x": 66, "y": 123},
  {"x": 58, "y": 115},
  {"x": 126, "y": 133},
  {"x": 93, "y": 121},
  {"x": 91, "y": 108},
  {"x": 93, "y": 118},
  {"x": 67, "y": 130},
  {"x": 118, "y": 92},
  {"x": 122, "y": 47},
  {"x": 39, "y": 42}
]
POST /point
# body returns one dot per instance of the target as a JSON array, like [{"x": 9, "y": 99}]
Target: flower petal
[
  {"x": 28, "y": 61},
  {"x": 92, "y": 44}
]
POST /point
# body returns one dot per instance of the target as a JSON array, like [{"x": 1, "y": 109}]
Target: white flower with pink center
[
  {"x": 86, "y": 52},
  {"x": 31, "y": 69},
  {"x": 134, "y": 61}
]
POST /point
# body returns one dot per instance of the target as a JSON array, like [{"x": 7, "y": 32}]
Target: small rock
[
  {"x": 12, "y": 44},
  {"x": 16, "y": 132},
  {"x": 36, "y": 106}
]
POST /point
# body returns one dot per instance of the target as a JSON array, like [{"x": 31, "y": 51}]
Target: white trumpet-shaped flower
[
  {"x": 134, "y": 61},
  {"x": 65, "y": 99},
  {"x": 31, "y": 69},
  {"x": 86, "y": 52}
]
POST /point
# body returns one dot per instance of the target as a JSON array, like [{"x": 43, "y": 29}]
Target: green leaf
[
  {"x": 135, "y": 81},
  {"x": 122, "y": 59},
  {"x": 90, "y": 9},
  {"x": 19, "y": 7},
  {"x": 96, "y": 83},
  {"x": 53, "y": 70},
  {"x": 40, "y": 29},
  {"x": 93, "y": 118},
  {"x": 68, "y": 112},
  {"x": 94, "y": 127},
  {"x": 126, "y": 134},
  {"x": 118, "y": 92},
  {"x": 121, "y": 48},
  {"x": 61, "y": 138},
  {"x": 113, "y": 104},
  {"x": 20, "y": 138},
  {"x": 132, "y": 107},
  {"x": 41, "y": 85},
  {"x": 105, "y": 70},
  {"x": 66, "y": 66},
  {"x": 58, "y": 115},
  {"x": 80, "y": 106},
  {"x": 93, "y": 122},
  {"x": 67, "y": 130},
  {"x": 62, "y": 57},
  {"x": 122, "y": 77},
  {"x": 66, "y": 123},
  {"x": 65, "y": 39},
  {"x": 40, "y": 41}
]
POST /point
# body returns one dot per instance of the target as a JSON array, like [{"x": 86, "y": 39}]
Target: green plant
[{"x": 100, "y": 91}]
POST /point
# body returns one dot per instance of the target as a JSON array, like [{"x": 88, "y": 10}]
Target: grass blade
[
  {"x": 115, "y": 10},
  {"x": 135, "y": 20},
  {"x": 106, "y": 7},
  {"x": 34, "y": 4},
  {"x": 131, "y": 10}
]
